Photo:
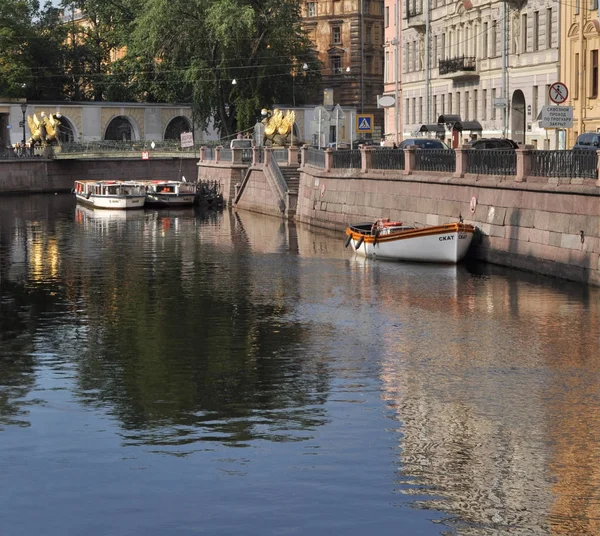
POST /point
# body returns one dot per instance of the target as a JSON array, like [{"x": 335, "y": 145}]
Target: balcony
[
  {"x": 460, "y": 68},
  {"x": 413, "y": 14}
]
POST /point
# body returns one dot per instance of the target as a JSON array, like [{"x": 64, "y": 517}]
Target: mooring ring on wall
[
  {"x": 322, "y": 190},
  {"x": 473, "y": 204}
]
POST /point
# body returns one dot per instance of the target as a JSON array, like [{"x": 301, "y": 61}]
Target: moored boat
[
  {"x": 385, "y": 239},
  {"x": 110, "y": 194},
  {"x": 170, "y": 193}
]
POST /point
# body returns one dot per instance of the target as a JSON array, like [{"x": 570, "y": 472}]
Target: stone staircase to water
[{"x": 292, "y": 178}]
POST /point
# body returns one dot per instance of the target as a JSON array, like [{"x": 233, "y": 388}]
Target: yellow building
[{"x": 580, "y": 44}]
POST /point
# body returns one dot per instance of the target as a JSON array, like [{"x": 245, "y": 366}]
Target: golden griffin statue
[
  {"x": 279, "y": 127},
  {"x": 44, "y": 130}
]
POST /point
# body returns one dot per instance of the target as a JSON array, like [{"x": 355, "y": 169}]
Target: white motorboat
[
  {"x": 170, "y": 193},
  {"x": 110, "y": 194},
  {"x": 385, "y": 239}
]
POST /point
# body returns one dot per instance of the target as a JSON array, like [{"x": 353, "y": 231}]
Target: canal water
[{"x": 221, "y": 372}]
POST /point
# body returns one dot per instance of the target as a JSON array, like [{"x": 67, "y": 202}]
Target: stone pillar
[
  {"x": 328, "y": 159},
  {"x": 218, "y": 153},
  {"x": 268, "y": 155},
  {"x": 410, "y": 158},
  {"x": 598, "y": 170},
  {"x": 462, "y": 162},
  {"x": 303, "y": 152},
  {"x": 236, "y": 155},
  {"x": 523, "y": 164},
  {"x": 255, "y": 155},
  {"x": 292, "y": 155},
  {"x": 202, "y": 151},
  {"x": 366, "y": 158}
]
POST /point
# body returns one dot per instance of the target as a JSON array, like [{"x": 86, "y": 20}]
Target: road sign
[
  {"x": 385, "y": 101},
  {"x": 187, "y": 139},
  {"x": 145, "y": 155},
  {"x": 556, "y": 117},
  {"x": 558, "y": 92},
  {"x": 500, "y": 103},
  {"x": 364, "y": 123}
]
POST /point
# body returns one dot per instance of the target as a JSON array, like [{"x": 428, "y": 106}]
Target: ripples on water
[{"x": 172, "y": 372}]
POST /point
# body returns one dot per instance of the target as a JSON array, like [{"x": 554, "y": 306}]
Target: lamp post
[
  {"x": 24, "y": 110},
  {"x": 304, "y": 68}
]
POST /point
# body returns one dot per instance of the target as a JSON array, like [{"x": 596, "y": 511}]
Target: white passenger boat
[
  {"x": 170, "y": 193},
  {"x": 110, "y": 194},
  {"x": 394, "y": 240}
]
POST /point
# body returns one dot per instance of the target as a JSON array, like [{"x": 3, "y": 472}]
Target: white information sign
[
  {"x": 187, "y": 139},
  {"x": 556, "y": 117}
]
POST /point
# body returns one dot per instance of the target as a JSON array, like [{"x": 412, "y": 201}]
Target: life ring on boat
[
  {"x": 359, "y": 243},
  {"x": 382, "y": 223},
  {"x": 348, "y": 240}
]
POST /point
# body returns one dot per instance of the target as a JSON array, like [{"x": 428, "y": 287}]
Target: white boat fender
[
  {"x": 348, "y": 240},
  {"x": 359, "y": 243}
]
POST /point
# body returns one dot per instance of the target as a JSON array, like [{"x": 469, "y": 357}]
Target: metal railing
[
  {"x": 246, "y": 156},
  {"x": 315, "y": 157},
  {"x": 564, "y": 164},
  {"x": 124, "y": 149},
  {"x": 280, "y": 155},
  {"x": 435, "y": 160},
  {"x": 260, "y": 155},
  {"x": 209, "y": 153},
  {"x": 492, "y": 161},
  {"x": 226, "y": 155},
  {"x": 462, "y": 63},
  {"x": 346, "y": 159},
  {"x": 413, "y": 8},
  {"x": 387, "y": 159}
]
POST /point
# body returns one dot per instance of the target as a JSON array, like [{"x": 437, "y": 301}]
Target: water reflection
[{"x": 192, "y": 330}]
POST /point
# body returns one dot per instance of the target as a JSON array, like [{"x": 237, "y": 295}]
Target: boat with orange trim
[
  {"x": 394, "y": 240},
  {"x": 165, "y": 193},
  {"x": 110, "y": 194}
]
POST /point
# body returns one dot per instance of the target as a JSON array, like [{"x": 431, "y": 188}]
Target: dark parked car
[
  {"x": 588, "y": 141},
  {"x": 423, "y": 143},
  {"x": 492, "y": 143}
]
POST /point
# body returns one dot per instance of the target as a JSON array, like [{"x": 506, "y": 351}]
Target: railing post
[
  {"x": 328, "y": 159},
  {"x": 303, "y": 153},
  {"x": 218, "y": 153},
  {"x": 598, "y": 169},
  {"x": 202, "y": 151},
  {"x": 410, "y": 159},
  {"x": 366, "y": 158},
  {"x": 293, "y": 155},
  {"x": 255, "y": 155},
  {"x": 236, "y": 155},
  {"x": 268, "y": 155},
  {"x": 523, "y": 164},
  {"x": 462, "y": 161}
]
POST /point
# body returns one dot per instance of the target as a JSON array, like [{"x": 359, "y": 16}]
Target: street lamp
[
  {"x": 24, "y": 110},
  {"x": 304, "y": 68}
]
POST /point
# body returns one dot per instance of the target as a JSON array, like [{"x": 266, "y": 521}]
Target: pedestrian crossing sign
[{"x": 364, "y": 123}]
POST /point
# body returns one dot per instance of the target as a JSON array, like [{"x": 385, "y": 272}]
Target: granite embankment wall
[
  {"x": 227, "y": 173},
  {"x": 545, "y": 227},
  {"x": 38, "y": 175}
]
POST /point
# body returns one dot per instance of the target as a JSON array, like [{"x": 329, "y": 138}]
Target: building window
[
  {"x": 524, "y": 32},
  {"x": 593, "y": 4},
  {"x": 576, "y": 78},
  {"x": 536, "y": 31},
  {"x": 484, "y": 51},
  {"x": 534, "y": 104},
  {"x": 336, "y": 64},
  {"x": 467, "y": 117},
  {"x": 493, "y": 42},
  {"x": 414, "y": 110},
  {"x": 368, "y": 31},
  {"x": 443, "y": 107},
  {"x": 386, "y": 75},
  {"x": 594, "y": 74},
  {"x": 547, "y": 95},
  {"x": 458, "y": 103},
  {"x": 406, "y": 111},
  {"x": 336, "y": 35},
  {"x": 366, "y": 7},
  {"x": 311, "y": 10},
  {"x": 576, "y": 7},
  {"x": 435, "y": 99},
  {"x": 549, "y": 28},
  {"x": 386, "y": 17},
  {"x": 493, "y": 114},
  {"x": 475, "y": 105},
  {"x": 420, "y": 109},
  {"x": 369, "y": 65},
  {"x": 450, "y": 103},
  {"x": 485, "y": 105}
]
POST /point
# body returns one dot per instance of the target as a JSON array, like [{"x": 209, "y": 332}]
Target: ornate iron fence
[
  {"x": 387, "y": 159},
  {"x": 564, "y": 164},
  {"x": 209, "y": 153},
  {"x": 225, "y": 155},
  {"x": 435, "y": 160},
  {"x": 492, "y": 161},
  {"x": 315, "y": 157},
  {"x": 246, "y": 156},
  {"x": 124, "y": 149},
  {"x": 346, "y": 159},
  {"x": 453, "y": 65}
]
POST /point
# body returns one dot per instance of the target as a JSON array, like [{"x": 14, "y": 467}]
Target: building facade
[
  {"x": 580, "y": 31},
  {"x": 348, "y": 36},
  {"x": 488, "y": 63},
  {"x": 392, "y": 83}
]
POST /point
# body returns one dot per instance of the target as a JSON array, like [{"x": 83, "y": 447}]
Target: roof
[
  {"x": 432, "y": 128},
  {"x": 468, "y": 125},
  {"x": 448, "y": 119}
]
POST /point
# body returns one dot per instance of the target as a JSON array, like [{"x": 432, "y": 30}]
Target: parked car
[
  {"x": 423, "y": 143},
  {"x": 588, "y": 141},
  {"x": 492, "y": 143}
]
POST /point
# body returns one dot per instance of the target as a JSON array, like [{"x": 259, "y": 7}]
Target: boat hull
[
  {"x": 442, "y": 244},
  {"x": 170, "y": 200},
  {"x": 120, "y": 202}
]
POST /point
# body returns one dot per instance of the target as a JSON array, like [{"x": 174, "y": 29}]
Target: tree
[
  {"x": 194, "y": 49},
  {"x": 31, "y": 50}
]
